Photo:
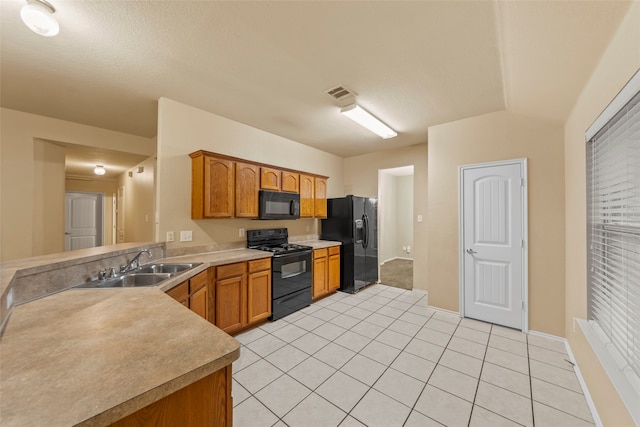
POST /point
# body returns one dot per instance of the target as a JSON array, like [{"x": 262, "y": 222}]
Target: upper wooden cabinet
[
  {"x": 228, "y": 187},
  {"x": 270, "y": 179},
  {"x": 306, "y": 196},
  {"x": 212, "y": 180},
  {"x": 290, "y": 182},
  {"x": 320, "y": 199},
  {"x": 247, "y": 188}
]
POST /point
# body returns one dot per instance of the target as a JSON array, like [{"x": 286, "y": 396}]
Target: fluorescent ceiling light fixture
[
  {"x": 367, "y": 120},
  {"x": 38, "y": 16},
  {"x": 99, "y": 170}
]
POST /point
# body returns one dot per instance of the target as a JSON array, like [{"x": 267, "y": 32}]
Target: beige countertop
[
  {"x": 93, "y": 356},
  {"x": 90, "y": 357}
]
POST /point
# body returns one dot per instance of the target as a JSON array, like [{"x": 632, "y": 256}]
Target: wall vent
[{"x": 340, "y": 93}]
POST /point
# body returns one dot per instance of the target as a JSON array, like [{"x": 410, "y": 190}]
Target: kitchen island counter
[{"x": 91, "y": 357}]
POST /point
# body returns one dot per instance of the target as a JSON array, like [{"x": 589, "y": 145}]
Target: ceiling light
[
  {"x": 99, "y": 170},
  {"x": 38, "y": 16},
  {"x": 367, "y": 120}
]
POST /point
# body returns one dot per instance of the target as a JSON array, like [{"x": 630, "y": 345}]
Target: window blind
[{"x": 613, "y": 197}]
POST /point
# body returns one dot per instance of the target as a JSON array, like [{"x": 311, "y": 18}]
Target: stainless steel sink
[
  {"x": 166, "y": 268},
  {"x": 134, "y": 280},
  {"x": 148, "y": 275}
]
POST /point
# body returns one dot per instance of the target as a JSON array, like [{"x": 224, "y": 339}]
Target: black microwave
[{"x": 277, "y": 205}]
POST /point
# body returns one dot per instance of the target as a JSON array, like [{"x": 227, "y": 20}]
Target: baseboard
[{"x": 576, "y": 369}]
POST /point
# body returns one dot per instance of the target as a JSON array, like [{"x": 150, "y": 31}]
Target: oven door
[{"x": 290, "y": 273}]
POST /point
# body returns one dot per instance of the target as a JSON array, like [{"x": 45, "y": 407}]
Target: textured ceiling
[{"x": 267, "y": 64}]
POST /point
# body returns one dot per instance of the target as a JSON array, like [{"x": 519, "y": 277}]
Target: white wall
[
  {"x": 139, "y": 209},
  {"x": 387, "y": 217},
  {"x": 18, "y": 186},
  {"x": 183, "y": 129}
]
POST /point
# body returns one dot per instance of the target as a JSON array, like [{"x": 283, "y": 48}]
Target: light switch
[{"x": 185, "y": 236}]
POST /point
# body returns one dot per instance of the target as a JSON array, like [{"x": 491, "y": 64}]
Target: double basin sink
[{"x": 146, "y": 275}]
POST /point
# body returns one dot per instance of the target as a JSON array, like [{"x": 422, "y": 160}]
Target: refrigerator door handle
[
  {"x": 365, "y": 220},
  {"x": 358, "y": 231}
]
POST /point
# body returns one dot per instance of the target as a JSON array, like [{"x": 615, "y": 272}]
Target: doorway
[
  {"x": 395, "y": 213},
  {"x": 84, "y": 222},
  {"x": 493, "y": 243}
]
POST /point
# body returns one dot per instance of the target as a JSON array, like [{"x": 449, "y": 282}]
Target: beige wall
[
  {"x": 183, "y": 129},
  {"x": 18, "y": 131},
  {"x": 98, "y": 186},
  {"x": 139, "y": 221},
  {"x": 493, "y": 137},
  {"x": 404, "y": 220},
  {"x": 361, "y": 179},
  {"x": 619, "y": 62},
  {"x": 48, "y": 198},
  {"x": 387, "y": 217}
]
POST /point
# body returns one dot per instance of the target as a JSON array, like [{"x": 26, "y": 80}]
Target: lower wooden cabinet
[
  {"x": 193, "y": 294},
  {"x": 326, "y": 271},
  {"x": 205, "y": 403},
  {"x": 243, "y": 294}
]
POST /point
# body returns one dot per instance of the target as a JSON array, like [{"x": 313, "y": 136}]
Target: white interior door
[
  {"x": 493, "y": 243},
  {"x": 83, "y": 220}
]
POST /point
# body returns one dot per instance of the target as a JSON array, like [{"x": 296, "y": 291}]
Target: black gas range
[{"x": 290, "y": 270}]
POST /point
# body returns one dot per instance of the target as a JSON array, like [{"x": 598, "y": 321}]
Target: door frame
[{"x": 522, "y": 162}]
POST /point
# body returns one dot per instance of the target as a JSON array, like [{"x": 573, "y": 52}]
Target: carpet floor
[{"x": 397, "y": 273}]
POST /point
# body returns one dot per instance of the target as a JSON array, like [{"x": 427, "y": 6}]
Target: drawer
[
  {"x": 320, "y": 253},
  {"x": 260, "y": 265},
  {"x": 231, "y": 270},
  {"x": 334, "y": 250},
  {"x": 198, "y": 281}
]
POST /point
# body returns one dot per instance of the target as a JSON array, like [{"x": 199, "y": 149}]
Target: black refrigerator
[{"x": 353, "y": 221}]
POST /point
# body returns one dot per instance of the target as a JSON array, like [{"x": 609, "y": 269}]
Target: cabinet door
[
  {"x": 258, "y": 296},
  {"x": 320, "y": 270},
  {"x": 247, "y": 190},
  {"x": 270, "y": 179},
  {"x": 306, "y": 196},
  {"x": 320, "y": 198},
  {"x": 198, "y": 302},
  {"x": 180, "y": 293},
  {"x": 230, "y": 304},
  {"x": 218, "y": 188},
  {"x": 334, "y": 268},
  {"x": 290, "y": 182}
]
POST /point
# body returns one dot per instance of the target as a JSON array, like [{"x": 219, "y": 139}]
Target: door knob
[{"x": 471, "y": 251}]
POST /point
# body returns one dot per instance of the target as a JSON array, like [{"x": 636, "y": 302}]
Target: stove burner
[{"x": 283, "y": 248}]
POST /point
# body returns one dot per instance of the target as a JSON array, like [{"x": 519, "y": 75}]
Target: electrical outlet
[
  {"x": 240, "y": 232},
  {"x": 419, "y": 218},
  {"x": 186, "y": 236},
  {"x": 170, "y": 236}
]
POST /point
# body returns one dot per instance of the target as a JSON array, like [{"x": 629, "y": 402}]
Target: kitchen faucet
[{"x": 134, "y": 264}]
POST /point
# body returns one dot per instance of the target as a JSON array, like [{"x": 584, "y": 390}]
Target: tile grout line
[{"x": 533, "y": 417}]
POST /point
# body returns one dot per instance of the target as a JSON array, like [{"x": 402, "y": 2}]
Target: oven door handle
[{"x": 293, "y": 275}]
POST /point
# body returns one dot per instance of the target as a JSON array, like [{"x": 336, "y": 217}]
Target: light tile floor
[{"x": 381, "y": 357}]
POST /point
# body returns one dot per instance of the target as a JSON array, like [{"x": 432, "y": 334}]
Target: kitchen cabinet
[
  {"x": 204, "y": 403},
  {"x": 212, "y": 186},
  {"x": 290, "y": 182},
  {"x": 270, "y": 179},
  {"x": 243, "y": 294},
  {"x": 193, "y": 294},
  {"x": 229, "y": 187},
  {"x": 320, "y": 273},
  {"x": 307, "y": 196},
  {"x": 320, "y": 197},
  {"x": 259, "y": 290},
  {"x": 246, "y": 190},
  {"x": 326, "y": 271},
  {"x": 334, "y": 268}
]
